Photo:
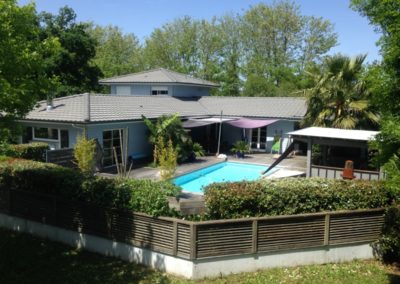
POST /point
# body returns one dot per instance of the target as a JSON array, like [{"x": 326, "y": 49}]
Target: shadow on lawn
[{"x": 27, "y": 259}]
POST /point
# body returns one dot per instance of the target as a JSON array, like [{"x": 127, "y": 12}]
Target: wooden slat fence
[
  {"x": 62, "y": 157},
  {"x": 335, "y": 173},
  {"x": 195, "y": 240}
]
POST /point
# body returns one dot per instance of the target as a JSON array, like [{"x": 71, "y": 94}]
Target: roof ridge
[
  {"x": 129, "y": 74},
  {"x": 167, "y": 72}
]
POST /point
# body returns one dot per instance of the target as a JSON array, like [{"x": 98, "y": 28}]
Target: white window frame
[
  {"x": 159, "y": 89},
  {"x": 55, "y": 142}
]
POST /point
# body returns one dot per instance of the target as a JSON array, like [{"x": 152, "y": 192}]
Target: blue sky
[{"x": 141, "y": 17}]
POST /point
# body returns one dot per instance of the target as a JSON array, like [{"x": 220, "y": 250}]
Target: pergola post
[{"x": 309, "y": 155}]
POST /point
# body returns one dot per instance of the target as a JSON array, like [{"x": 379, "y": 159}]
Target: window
[
  {"x": 159, "y": 90},
  {"x": 111, "y": 140},
  {"x": 46, "y": 133},
  {"x": 57, "y": 138}
]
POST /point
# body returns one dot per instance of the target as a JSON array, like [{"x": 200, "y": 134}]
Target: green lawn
[{"x": 27, "y": 259}]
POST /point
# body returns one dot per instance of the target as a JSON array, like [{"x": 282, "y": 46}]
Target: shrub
[
  {"x": 293, "y": 196},
  {"x": 40, "y": 177},
  {"x": 150, "y": 197},
  {"x": 167, "y": 157},
  {"x": 85, "y": 154},
  {"x": 138, "y": 195},
  {"x": 33, "y": 151},
  {"x": 389, "y": 244}
]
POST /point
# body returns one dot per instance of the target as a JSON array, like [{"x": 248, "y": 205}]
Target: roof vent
[{"x": 50, "y": 104}]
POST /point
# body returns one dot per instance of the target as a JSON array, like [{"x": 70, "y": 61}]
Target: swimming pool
[{"x": 227, "y": 171}]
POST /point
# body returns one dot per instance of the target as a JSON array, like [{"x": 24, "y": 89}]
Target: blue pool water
[{"x": 194, "y": 182}]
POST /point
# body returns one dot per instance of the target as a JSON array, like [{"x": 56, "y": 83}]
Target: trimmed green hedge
[
  {"x": 389, "y": 244},
  {"x": 33, "y": 151},
  {"x": 293, "y": 196},
  {"x": 138, "y": 195}
]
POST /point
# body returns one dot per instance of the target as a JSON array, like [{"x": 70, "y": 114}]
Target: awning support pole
[{"x": 219, "y": 134}]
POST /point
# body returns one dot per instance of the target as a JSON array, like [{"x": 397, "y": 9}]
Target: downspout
[{"x": 86, "y": 118}]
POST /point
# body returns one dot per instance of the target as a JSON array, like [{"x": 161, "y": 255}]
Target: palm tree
[
  {"x": 168, "y": 128},
  {"x": 339, "y": 98}
]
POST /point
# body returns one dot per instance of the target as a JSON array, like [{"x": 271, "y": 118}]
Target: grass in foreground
[{"x": 27, "y": 259}]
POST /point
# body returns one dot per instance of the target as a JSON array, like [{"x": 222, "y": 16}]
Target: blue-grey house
[{"x": 153, "y": 94}]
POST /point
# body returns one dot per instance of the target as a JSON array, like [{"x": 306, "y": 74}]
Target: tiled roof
[
  {"x": 271, "y": 107},
  {"x": 114, "y": 108},
  {"x": 127, "y": 107},
  {"x": 161, "y": 75}
]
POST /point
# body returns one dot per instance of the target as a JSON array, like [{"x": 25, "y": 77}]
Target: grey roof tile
[
  {"x": 273, "y": 107},
  {"x": 127, "y": 107},
  {"x": 160, "y": 75}
]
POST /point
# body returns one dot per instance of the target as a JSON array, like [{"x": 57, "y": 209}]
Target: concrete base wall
[{"x": 197, "y": 269}]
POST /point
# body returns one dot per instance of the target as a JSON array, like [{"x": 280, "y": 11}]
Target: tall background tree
[
  {"x": 72, "y": 64},
  {"x": 23, "y": 79},
  {"x": 383, "y": 80},
  {"x": 116, "y": 53}
]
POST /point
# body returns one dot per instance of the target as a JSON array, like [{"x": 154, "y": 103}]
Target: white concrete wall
[
  {"x": 103, "y": 246},
  {"x": 208, "y": 267}
]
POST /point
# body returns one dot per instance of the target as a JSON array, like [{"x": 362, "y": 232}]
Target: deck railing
[
  {"x": 196, "y": 240},
  {"x": 335, "y": 173}
]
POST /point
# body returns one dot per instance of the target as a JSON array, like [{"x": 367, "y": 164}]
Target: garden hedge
[
  {"x": 294, "y": 196},
  {"x": 33, "y": 151},
  {"x": 138, "y": 195}
]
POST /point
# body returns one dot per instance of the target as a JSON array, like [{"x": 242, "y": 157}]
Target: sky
[{"x": 141, "y": 17}]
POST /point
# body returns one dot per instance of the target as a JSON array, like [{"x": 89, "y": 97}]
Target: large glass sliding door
[{"x": 112, "y": 139}]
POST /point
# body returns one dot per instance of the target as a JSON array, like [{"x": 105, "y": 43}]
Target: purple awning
[{"x": 251, "y": 123}]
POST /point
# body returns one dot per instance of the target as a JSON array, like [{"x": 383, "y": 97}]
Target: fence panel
[
  {"x": 4, "y": 200},
  {"x": 183, "y": 246},
  {"x": 224, "y": 239},
  {"x": 353, "y": 227},
  {"x": 33, "y": 206},
  {"x": 290, "y": 233},
  {"x": 62, "y": 157}
]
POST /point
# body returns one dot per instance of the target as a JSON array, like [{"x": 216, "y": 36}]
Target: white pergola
[{"x": 332, "y": 137}]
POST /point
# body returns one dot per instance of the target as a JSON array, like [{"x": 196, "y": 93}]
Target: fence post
[
  {"x": 9, "y": 201},
  {"x": 254, "y": 237},
  {"x": 175, "y": 238},
  {"x": 193, "y": 241},
  {"x": 327, "y": 229}
]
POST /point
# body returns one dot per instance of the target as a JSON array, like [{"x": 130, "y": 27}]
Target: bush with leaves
[
  {"x": 167, "y": 157},
  {"x": 33, "y": 151},
  {"x": 137, "y": 195},
  {"x": 389, "y": 243},
  {"x": 85, "y": 154},
  {"x": 293, "y": 196},
  {"x": 40, "y": 177}
]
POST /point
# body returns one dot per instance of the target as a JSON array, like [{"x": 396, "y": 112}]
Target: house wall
[
  {"x": 138, "y": 145},
  {"x": 190, "y": 91},
  {"x": 231, "y": 134},
  {"x": 280, "y": 128},
  {"x": 145, "y": 90},
  {"x": 72, "y": 131}
]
